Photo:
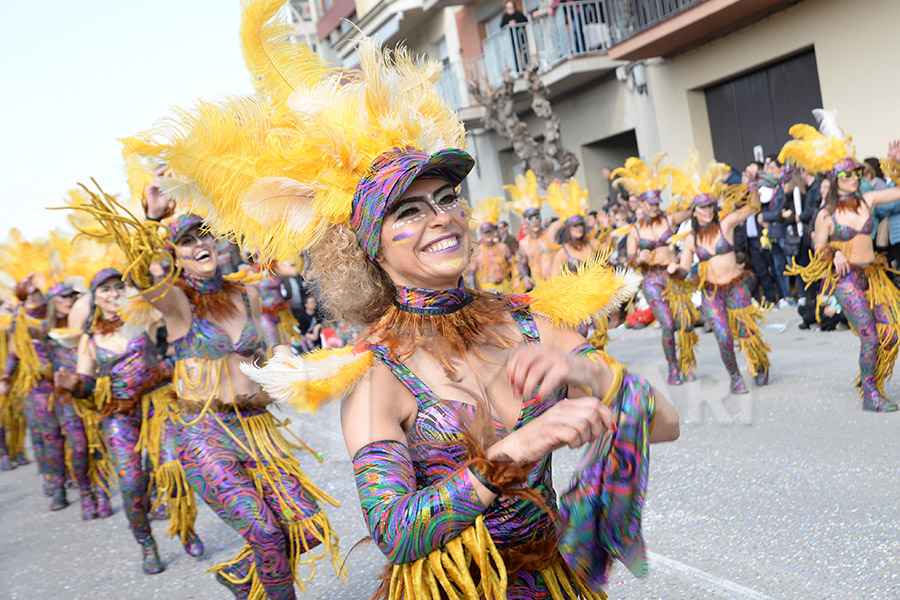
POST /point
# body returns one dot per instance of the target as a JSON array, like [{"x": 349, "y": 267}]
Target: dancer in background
[
  {"x": 845, "y": 259},
  {"x": 650, "y": 248},
  {"x": 118, "y": 366},
  {"x": 726, "y": 301}
]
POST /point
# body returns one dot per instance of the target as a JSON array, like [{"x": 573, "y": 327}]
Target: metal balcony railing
[
  {"x": 628, "y": 17},
  {"x": 577, "y": 28}
]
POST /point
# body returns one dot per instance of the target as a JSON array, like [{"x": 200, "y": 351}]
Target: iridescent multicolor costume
[
  {"x": 730, "y": 311},
  {"x": 424, "y": 514},
  {"x": 237, "y": 459},
  {"x": 133, "y": 394},
  {"x": 871, "y": 303},
  {"x": 12, "y": 419},
  {"x": 29, "y": 365}
]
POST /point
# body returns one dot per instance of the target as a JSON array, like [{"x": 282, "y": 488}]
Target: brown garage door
[{"x": 759, "y": 107}]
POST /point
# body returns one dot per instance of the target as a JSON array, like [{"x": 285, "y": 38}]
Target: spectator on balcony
[{"x": 515, "y": 20}]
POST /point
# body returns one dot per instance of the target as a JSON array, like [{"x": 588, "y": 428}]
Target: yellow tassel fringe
[{"x": 744, "y": 324}]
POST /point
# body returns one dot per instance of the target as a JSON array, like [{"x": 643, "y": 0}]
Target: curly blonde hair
[{"x": 347, "y": 283}]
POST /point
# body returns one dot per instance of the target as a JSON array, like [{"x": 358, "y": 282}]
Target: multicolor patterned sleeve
[
  {"x": 605, "y": 502},
  {"x": 408, "y": 523}
]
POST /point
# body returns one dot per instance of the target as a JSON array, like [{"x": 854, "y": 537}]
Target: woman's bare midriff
[
  {"x": 722, "y": 269},
  {"x": 231, "y": 382}
]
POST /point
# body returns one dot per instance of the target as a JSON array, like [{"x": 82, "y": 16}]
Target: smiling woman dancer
[
  {"x": 231, "y": 447},
  {"x": 845, "y": 259},
  {"x": 118, "y": 365},
  {"x": 452, "y": 428},
  {"x": 725, "y": 299}
]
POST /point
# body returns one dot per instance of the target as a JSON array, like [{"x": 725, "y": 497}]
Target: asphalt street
[{"x": 791, "y": 492}]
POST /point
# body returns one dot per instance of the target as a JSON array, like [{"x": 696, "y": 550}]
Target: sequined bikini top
[
  {"x": 723, "y": 246},
  {"x": 845, "y": 233},
  {"x": 648, "y": 244},
  {"x": 208, "y": 340}
]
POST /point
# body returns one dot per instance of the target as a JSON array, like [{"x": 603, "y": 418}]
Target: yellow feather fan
[
  {"x": 487, "y": 210},
  {"x": 572, "y": 298},
  {"x": 567, "y": 199},
  {"x": 524, "y": 193},
  {"x": 688, "y": 181},
  {"x": 279, "y": 168},
  {"x": 306, "y": 382},
  {"x": 814, "y": 151},
  {"x": 248, "y": 276},
  {"x": 638, "y": 177}
]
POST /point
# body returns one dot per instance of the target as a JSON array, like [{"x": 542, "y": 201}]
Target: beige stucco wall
[{"x": 855, "y": 45}]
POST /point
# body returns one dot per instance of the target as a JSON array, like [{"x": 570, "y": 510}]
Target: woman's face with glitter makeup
[
  {"x": 109, "y": 296},
  {"x": 64, "y": 303},
  {"x": 651, "y": 209},
  {"x": 425, "y": 239},
  {"x": 198, "y": 253},
  {"x": 704, "y": 214}
]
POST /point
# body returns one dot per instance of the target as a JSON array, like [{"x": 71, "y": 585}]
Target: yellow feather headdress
[
  {"x": 279, "y": 168},
  {"x": 487, "y": 210},
  {"x": 692, "y": 184},
  {"x": 20, "y": 258},
  {"x": 640, "y": 178},
  {"x": 815, "y": 151},
  {"x": 567, "y": 199},
  {"x": 524, "y": 193}
]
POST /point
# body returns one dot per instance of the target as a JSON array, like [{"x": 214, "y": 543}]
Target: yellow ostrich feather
[
  {"x": 812, "y": 150},
  {"x": 20, "y": 258},
  {"x": 524, "y": 193},
  {"x": 689, "y": 181},
  {"x": 567, "y": 199},
  {"x": 487, "y": 210},
  {"x": 638, "y": 177},
  {"x": 595, "y": 288},
  {"x": 307, "y": 381},
  {"x": 281, "y": 167}
]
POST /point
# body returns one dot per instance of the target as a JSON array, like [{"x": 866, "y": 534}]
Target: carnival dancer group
[{"x": 474, "y": 361}]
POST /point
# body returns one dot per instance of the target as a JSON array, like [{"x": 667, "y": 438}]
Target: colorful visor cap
[
  {"x": 59, "y": 289},
  {"x": 488, "y": 226},
  {"x": 388, "y": 177},
  {"x": 651, "y": 196},
  {"x": 703, "y": 200},
  {"x": 102, "y": 276},
  {"x": 845, "y": 165},
  {"x": 575, "y": 220},
  {"x": 531, "y": 212},
  {"x": 181, "y": 224}
]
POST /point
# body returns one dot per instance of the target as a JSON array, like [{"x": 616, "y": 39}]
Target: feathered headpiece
[
  {"x": 641, "y": 179},
  {"x": 281, "y": 167},
  {"x": 524, "y": 194},
  {"x": 826, "y": 150},
  {"x": 701, "y": 188},
  {"x": 19, "y": 258},
  {"x": 487, "y": 210},
  {"x": 567, "y": 199}
]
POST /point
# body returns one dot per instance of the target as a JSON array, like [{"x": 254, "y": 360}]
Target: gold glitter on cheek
[{"x": 454, "y": 263}]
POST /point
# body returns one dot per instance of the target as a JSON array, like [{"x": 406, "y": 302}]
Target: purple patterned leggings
[
  {"x": 218, "y": 468},
  {"x": 717, "y": 301},
  {"x": 122, "y": 433},
  {"x": 655, "y": 283},
  {"x": 47, "y": 430},
  {"x": 850, "y": 292}
]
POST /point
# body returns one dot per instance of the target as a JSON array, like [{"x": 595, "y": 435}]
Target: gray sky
[{"x": 77, "y": 75}]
